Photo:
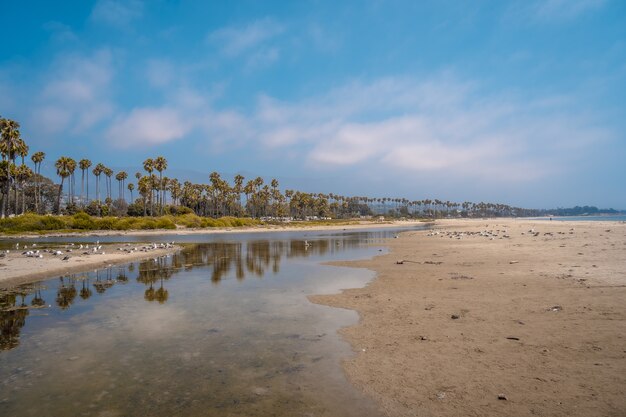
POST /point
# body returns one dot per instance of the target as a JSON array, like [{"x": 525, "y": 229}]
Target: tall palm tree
[
  {"x": 84, "y": 165},
  {"x": 109, "y": 173},
  {"x": 37, "y": 159},
  {"x": 148, "y": 166},
  {"x": 62, "y": 165},
  {"x": 23, "y": 174},
  {"x": 97, "y": 171},
  {"x": 71, "y": 168},
  {"x": 21, "y": 150},
  {"x": 131, "y": 187},
  {"x": 9, "y": 142},
  {"x": 121, "y": 177},
  {"x": 160, "y": 164}
]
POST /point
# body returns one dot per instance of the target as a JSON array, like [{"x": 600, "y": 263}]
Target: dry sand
[
  {"x": 15, "y": 268},
  {"x": 536, "y": 318}
]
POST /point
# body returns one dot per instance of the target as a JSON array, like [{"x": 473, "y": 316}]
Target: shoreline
[
  {"x": 461, "y": 320},
  {"x": 16, "y": 269},
  {"x": 200, "y": 231}
]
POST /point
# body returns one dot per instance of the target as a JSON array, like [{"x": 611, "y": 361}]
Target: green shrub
[
  {"x": 165, "y": 223},
  {"x": 147, "y": 224},
  {"x": 106, "y": 223},
  {"x": 83, "y": 221}
]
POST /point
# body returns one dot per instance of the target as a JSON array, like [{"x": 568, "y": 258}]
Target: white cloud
[
  {"x": 436, "y": 126},
  {"x": 148, "y": 127},
  {"x": 116, "y": 12},
  {"x": 75, "y": 94},
  {"x": 234, "y": 41},
  {"x": 441, "y": 127}
]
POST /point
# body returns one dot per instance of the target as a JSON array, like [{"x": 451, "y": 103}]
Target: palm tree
[
  {"x": 21, "y": 150},
  {"x": 97, "y": 171},
  {"x": 148, "y": 166},
  {"x": 23, "y": 174},
  {"x": 160, "y": 164},
  {"x": 131, "y": 187},
  {"x": 9, "y": 142},
  {"x": 37, "y": 159},
  {"x": 121, "y": 177},
  {"x": 84, "y": 165},
  {"x": 71, "y": 168},
  {"x": 62, "y": 165},
  {"x": 109, "y": 173}
]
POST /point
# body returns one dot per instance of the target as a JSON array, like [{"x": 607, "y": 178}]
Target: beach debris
[
  {"x": 502, "y": 397},
  {"x": 455, "y": 317},
  {"x": 555, "y": 308},
  {"x": 512, "y": 338},
  {"x": 513, "y": 262},
  {"x": 454, "y": 275},
  {"x": 400, "y": 262},
  {"x": 441, "y": 395},
  {"x": 423, "y": 338},
  {"x": 66, "y": 258}
]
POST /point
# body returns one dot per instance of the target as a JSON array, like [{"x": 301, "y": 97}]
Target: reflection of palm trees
[
  {"x": 66, "y": 294},
  {"x": 149, "y": 295},
  {"x": 99, "y": 285},
  {"x": 85, "y": 292},
  {"x": 161, "y": 294},
  {"x": 12, "y": 319},
  {"x": 121, "y": 275},
  {"x": 38, "y": 300}
]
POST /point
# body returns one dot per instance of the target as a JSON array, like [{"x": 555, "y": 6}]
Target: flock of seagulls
[
  {"x": 490, "y": 234},
  {"x": 146, "y": 248},
  {"x": 85, "y": 249}
]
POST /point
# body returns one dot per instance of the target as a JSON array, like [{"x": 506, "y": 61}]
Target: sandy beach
[{"x": 493, "y": 318}]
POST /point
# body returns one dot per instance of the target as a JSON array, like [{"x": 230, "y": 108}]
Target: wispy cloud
[
  {"x": 439, "y": 126},
  {"x": 236, "y": 40},
  {"x": 117, "y": 12},
  {"x": 148, "y": 127},
  {"x": 75, "y": 95}
]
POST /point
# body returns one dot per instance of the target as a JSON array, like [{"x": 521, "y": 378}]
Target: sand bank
[
  {"x": 533, "y": 312},
  {"x": 16, "y": 268}
]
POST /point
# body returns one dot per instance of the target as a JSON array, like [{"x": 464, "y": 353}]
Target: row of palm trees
[{"x": 159, "y": 194}]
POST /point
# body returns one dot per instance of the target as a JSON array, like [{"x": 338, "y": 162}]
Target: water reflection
[
  {"x": 224, "y": 260},
  {"x": 221, "y": 328}
]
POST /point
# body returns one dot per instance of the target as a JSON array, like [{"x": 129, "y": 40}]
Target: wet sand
[
  {"x": 16, "y": 268},
  {"x": 489, "y": 318}
]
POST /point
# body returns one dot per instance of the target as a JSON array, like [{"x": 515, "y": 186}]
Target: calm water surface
[{"x": 222, "y": 328}]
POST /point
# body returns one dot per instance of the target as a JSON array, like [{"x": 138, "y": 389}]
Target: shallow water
[{"x": 222, "y": 328}]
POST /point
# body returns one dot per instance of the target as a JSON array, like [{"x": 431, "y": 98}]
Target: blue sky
[{"x": 515, "y": 102}]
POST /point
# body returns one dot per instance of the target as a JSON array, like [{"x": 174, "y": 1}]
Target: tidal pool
[{"x": 223, "y": 328}]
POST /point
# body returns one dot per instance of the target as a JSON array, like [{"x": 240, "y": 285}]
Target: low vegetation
[{"x": 30, "y": 222}]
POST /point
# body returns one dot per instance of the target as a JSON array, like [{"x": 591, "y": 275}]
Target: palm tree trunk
[{"x": 59, "y": 196}]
